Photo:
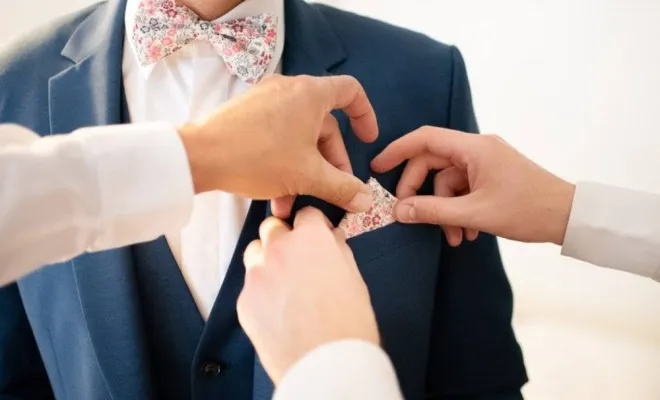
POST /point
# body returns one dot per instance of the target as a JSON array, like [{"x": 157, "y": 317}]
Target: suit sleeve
[
  {"x": 473, "y": 296},
  {"x": 461, "y": 110},
  {"x": 615, "y": 228}
]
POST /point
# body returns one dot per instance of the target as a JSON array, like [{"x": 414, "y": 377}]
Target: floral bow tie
[{"x": 245, "y": 44}]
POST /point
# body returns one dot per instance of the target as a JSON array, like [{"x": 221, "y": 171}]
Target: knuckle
[
  {"x": 332, "y": 122},
  {"x": 436, "y": 213},
  {"x": 424, "y": 130},
  {"x": 427, "y": 212},
  {"x": 308, "y": 233},
  {"x": 349, "y": 77},
  {"x": 271, "y": 78},
  {"x": 432, "y": 130},
  {"x": 242, "y": 303},
  {"x": 493, "y": 139},
  {"x": 339, "y": 194},
  {"x": 248, "y": 260},
  {"x": 302, "y": 179},
  {"x": 313, "y": 212},
  {"x": 354, "y": 82},
  {"x": 254, "y": 277},
  {"x": 280, "y": 254},
  {"x": 276, "y": 252},
  {"x": 303, "y": 82}
]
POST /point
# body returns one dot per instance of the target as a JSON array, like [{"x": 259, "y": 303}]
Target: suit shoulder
[
  {"x": 37, "y": 53},
  {"x": 351, "y": 28}
]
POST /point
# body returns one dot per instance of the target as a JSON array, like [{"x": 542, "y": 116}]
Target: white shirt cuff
[
  {"x": 615, "y": 228},
  {"x": 144, "y": 181},
  {"x": 348, "y": 369}
]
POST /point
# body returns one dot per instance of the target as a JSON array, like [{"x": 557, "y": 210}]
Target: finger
[
  {"x": 445, "y": 143},
  {"x": 416, "y": 171},
  {"x": 311, "y": 216},
  {"x": 457, "y": 211},
  {"x": 453, "y": 234},
  {"x": 468, "y": 233},
  {"x": 451, "y": 182},
  {"x": 346, "y": 93},
  {"x": 471, "y": 234},
  {"x": 271, "y": 229},
  {"x": 282, "y": 206},
  {"x": 338, "y": 187},
  {"x": 254, "y": 255},
  {"x": 340, "y": 236},
  {"x": 331, "y": 145}
]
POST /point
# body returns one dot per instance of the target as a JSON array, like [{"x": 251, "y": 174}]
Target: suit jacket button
[{"x": 210, "y": 369}]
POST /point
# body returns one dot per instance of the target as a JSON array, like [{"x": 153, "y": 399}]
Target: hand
[
  {"x": 302, "y": 290},
  {"x": 279, "y": 140},
  {"x": 484, "y": 184}
]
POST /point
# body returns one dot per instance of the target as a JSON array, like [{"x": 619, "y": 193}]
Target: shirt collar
[{"x": 245, "y": 9}]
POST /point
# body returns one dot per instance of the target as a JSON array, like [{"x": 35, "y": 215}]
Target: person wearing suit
[{"x": 159, "y": 319}]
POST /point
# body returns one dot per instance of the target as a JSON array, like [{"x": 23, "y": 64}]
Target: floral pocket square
[{"x": 379, "y": 215}]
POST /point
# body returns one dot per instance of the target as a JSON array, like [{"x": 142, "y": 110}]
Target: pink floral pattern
[
  {"x": 379, "y": 215},
  {"x": 245, "y": 44}
]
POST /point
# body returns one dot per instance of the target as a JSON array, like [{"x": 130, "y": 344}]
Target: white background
[{"x": 575, "y": 84}]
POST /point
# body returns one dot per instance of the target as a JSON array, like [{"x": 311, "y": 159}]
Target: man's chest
[{"x": 186, "y": 86}]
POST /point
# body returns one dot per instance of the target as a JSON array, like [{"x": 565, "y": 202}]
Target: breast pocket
[
  {"x": 399, "y": 264},
  {"x": 396, "y": 256},
  {"x": 386, "y": 241}
]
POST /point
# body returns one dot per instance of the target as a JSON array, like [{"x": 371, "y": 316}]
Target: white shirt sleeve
[
  {"x": 95, "y": 189},
  {"x": 615, "y": 228},
  {"x": 347, "y": 370}
]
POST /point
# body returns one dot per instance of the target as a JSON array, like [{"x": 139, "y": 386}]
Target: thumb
[
  {"x": 448, "y": 211},
  {"x": 341, "y": 189}
]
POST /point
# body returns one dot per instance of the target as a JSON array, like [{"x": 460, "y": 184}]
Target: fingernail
[
  {"x": 405, "y": 213},
  {"x": 361, "y": 202}
]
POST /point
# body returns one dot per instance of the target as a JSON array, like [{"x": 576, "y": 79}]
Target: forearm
[
  {"x": 95, "y": 189},
  {"x": 615, "y": 228}
]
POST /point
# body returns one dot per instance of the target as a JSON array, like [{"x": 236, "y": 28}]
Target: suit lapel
[
  {"x": 88, "y": 94},
  {"x": 110, "y": 304},
  {"x": 311, "y": 47}
]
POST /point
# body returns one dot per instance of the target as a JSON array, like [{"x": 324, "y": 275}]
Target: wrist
[
  {"x": 191, "y": 137},
  {"x": 563, "y": 204}
]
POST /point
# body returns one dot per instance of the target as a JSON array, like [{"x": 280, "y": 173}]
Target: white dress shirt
[
  {"x": 96, "y": 189},
  {"x": 188, "y": 85},
  {"x": 615, "y": 228}
]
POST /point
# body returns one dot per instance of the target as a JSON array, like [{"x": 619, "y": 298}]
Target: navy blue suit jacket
[{"x": 74, "y": 330}]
